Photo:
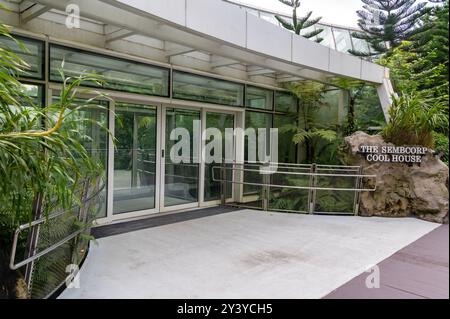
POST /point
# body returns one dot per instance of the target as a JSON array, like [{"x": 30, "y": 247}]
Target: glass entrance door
[
  {"x": 222, "y": 150},
  {"x": 134, "y": 158},
  {"x": 182, "y": 157}
]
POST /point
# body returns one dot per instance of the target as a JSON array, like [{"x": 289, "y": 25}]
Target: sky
[{"x": 340, "y": 12}]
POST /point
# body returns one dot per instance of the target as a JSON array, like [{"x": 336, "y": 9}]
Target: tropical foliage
[
  {"x": 413, "y": 119},
  {"x": 42, "y": 149},
  {"x": 316, "y": 138},
  {"x": 301, "y": 25},
  {"x": 387, "y": 23}
]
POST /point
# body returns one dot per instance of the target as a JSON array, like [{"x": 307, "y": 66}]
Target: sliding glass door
[
  {"x": 134, "y": 158},
  {"x": 181, "y": 164},
  {"x": 219, "y": 122}
]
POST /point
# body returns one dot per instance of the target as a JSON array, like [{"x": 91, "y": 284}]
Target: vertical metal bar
[
  {"x": 134, "y": 153},
  {"x": 313, "y": 183},
  {"x": 265, "y": 190},
  {"x": 223, "y": 183},
  {"x": 32, "y": 241},
  {"x": 358, "y": 185},
  {"x": 82, "y": 216}
]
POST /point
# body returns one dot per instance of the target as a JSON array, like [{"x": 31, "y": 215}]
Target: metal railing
[
  {"x": 300, "y": 188},
  {"x": 57, "y": 241}
]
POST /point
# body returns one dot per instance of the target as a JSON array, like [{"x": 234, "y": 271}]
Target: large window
[
  {"x": 258, "y": 98},
  {"x": 285, "y": 102},
  {"x": 194, "y": 87},
  {"x": 119, "y": 74},
  {"x": 31, "y": 51}
]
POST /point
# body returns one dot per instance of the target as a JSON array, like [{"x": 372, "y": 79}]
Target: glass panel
[
  {"x": 213, "y": 189},
  {"x": 286, "y": 148},
  {"x": 33, "y": 55},
  {"x": 327, "y": 36},
  {"x": 181, "y": 179},
  {"x": 268, "y": 17},
  {"x": 252, "y": 193},
  {"x": 35, "y": 93},
  {"x": 289, "y": 199},
  {"x": 134, "y": 158},
  {"x": 335, "y": 201},
  {"x": 193, "y": 87},
  {"x": 91, "y": 124},
  {"x": 343, "y": 41},
  {"x": 119, "y": 74},
  {"x": 327, "y": 114},
  {"x": 360, "y": 45},
  {"x": 285, "y": 102},
  {"x": 368, "y": 111},
  {"x": 258, "y": 98},
  {"x": 308, "y": 30}
]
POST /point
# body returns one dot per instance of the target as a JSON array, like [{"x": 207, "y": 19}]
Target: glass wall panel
[
  {"x": 221, "y": 122},
  {"x": 360, "y": 45},
  {"x": 134, "y": 158},
  {"x": 327, "y": 36},
  {"x": 32, "y": 54},
  {"x": 285, "y": 102},
  {"x": 181, "y": 178},
  {"x": 119, "y": 74},
  {"x": 194, "y": 87},
  {"x": 91, "y": 123},
  {"x": 255, "y": 120},
  {"x": 308, "y": 30},
  {"x": 343, "y": 41},
  {"x": 368, "y": 111},
  {"x": 258, "y": 98},
  {"x": 286, "y": 148},
  {"x": 269, "y": 17}
]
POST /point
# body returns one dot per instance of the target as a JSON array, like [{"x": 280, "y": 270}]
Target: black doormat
[{"x": 126, "y": 227}]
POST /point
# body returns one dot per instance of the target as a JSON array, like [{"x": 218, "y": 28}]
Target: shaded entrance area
[{"x": 242, "y": 254}]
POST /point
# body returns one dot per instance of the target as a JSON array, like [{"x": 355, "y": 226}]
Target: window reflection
[
  {"x": 194, "y": 87},
  {"x": 119, "y": 74}
]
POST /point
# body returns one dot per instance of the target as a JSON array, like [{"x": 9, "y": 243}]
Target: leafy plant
[
  {"x": 441, "y": 145},
  {"x": 413, "y": 118},
  {"x": 41, "y": 148},
  {"x": 299, "y": 24},
  {"x": 314, "y": 136}
]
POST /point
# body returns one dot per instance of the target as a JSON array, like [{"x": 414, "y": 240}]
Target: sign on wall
[{"x": 393, "y": 154}]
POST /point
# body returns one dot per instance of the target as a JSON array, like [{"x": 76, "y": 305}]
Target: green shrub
[
  {"x": 413, "y": 119},
  {"x": 441, "y": 145}
]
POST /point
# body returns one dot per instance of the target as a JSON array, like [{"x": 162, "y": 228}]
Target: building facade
[{"x": 171, "y": 64}]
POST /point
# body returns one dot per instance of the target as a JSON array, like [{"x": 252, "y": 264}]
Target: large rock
[{"x": 401, "y": 189}]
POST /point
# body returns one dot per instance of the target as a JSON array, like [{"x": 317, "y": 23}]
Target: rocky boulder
[{"x": 401, "y": 189}]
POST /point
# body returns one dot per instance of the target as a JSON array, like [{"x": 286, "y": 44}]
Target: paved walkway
[
  {"x": 420, "y": 270},
  {"x": 242, "y": 254}
]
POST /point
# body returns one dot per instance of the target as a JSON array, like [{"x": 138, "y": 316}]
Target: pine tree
[
  {"x": 299, "y": 24},
  {"x": 387, "y": 23},
  {"x": 433, "y": 42}
]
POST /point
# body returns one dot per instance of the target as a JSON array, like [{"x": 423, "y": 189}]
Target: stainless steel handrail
[
  {"x": 298, "y": 187},
  {"x": 313, "y": 171},
  {"x": 14, "y": 266}
]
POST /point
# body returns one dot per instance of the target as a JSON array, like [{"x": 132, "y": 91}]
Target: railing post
[
  {"x": 358, "y": 185},
  {"x": 312, "y": 191},
  {"x": 223, "y": 186},
  {"x": 266, "y": 187},
  {"x": 33, "y": 238}
]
